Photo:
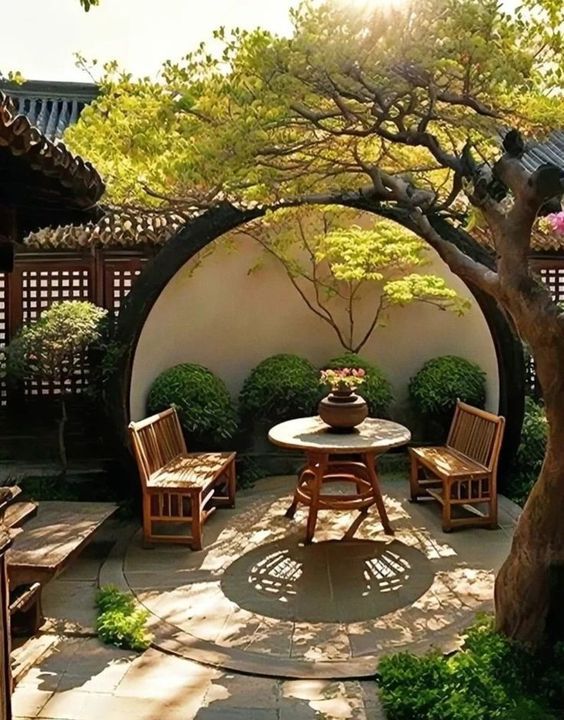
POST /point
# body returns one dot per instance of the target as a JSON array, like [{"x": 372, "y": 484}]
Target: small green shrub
[
  {"x": 280, "y": 388},
  {"x": 375, "y": 389},
  {"x": 530, "y": 454},
  {"x": 489, "y": 679},
  {"x": 119, "y": 622},
  {"x": 201, "y": 399},
  {"x": 434, "y": 389}
]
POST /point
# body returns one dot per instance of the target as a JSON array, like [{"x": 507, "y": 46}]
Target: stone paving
[{"x": 255, "y": 607}]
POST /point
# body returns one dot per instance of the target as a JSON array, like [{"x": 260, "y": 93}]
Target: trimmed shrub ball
[
  {"x": 375, "y": 389},
  {"x": 201, "y": 399},
  {"x": 280, "y": 388},
  {"x": 433, "y": 390}
]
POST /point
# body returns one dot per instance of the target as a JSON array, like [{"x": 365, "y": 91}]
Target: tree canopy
[{"x": 378, "y": 96}]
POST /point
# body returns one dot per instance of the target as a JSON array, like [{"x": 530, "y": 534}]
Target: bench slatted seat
[
  {"x": 464, "y": 472},
  {"x": 43, "y": 550},
  {"x": 179, "y": 488}
]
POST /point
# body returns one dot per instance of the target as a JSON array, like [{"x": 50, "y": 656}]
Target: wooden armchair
[
  {"x": 464, "y": 472},
  {"x": 180, "y": 489}
]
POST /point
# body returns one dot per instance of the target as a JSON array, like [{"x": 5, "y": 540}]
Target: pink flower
[{"x": 556, "y": 222}]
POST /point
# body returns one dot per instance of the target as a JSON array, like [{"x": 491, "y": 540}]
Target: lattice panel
[
  {"x": 553, "y": 278},
  {"x": 121, "y": 281},
  {"x": 40, "y": 289},
  {"x": 3, "y": 336}
]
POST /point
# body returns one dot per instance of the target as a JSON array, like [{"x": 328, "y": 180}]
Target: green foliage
[
  {"x": 259, "y": 117},
  {"x": 53, "y": 347},
  {"x": 434, "y": 389},
  {"x": 333, "y": 264},
  {"x": 119, "y": 621},
  {"x": 376, "y": 389},
  {"x": 249, "y": 471},
  {"x": 280, "y": 388},
  {"x": 489, "y": 679},
  {"x": 530, "y": 453},
  {"x": 201, "y": 399},
  {"x": 87, "y": 4}
]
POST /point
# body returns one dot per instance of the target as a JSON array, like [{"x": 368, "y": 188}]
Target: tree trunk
[
  {"x": 526, "y": 589},
  {"x": 61, "y": 435}
]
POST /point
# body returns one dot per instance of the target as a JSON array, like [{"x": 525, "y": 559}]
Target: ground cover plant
[
  {"x": 399, "y": 116},
  {"x": 491, "y": 678},
  {"x": 119, "y": 621}
]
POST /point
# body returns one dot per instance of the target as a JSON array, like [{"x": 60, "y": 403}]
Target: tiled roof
[
  {"x": 50, "y": 106},
  {"x": 549, "y": 151},
  {"x": 42, "y": 166},
  {"x": 118, "y": 229}
]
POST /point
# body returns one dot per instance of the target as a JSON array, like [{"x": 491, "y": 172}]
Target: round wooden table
[{"x": 323, "y": 446}]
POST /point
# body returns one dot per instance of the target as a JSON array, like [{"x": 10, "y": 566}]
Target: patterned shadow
[{"x": 337, "y": 581}]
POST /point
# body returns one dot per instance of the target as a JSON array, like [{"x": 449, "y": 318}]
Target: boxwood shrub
[
  {"x": 530, "y": 453},
  {"x": 434, "y": 389},
  {"x": 279, "y": 388},
  {"x": 202, "y": 401},
  {"x": 375, "y": 389}
]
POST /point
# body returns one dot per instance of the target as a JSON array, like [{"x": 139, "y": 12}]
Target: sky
[{"x": 44, "y": 34}]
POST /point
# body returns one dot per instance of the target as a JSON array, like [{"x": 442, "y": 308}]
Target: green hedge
[
  {"x": 489, "y": 679},
  {"x": 375, "y": 389},
  {"x": 279, "y": 388},
  {"x": 203, "y": 403},
  {"x": 433, "y": 390},
  {"x": 530, "y": 453}
]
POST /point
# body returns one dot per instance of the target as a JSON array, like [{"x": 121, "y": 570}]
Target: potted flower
[
  {"x": 342, "y": 409},
  {"x": 343, "y": 381}
]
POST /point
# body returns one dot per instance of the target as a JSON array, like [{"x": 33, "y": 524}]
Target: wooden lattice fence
[{"x": 39, "y": 280}]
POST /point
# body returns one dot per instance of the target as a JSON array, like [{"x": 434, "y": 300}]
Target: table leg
[
  {"x": 370, "y": 462},
  {"x": 318, "y": 463}
]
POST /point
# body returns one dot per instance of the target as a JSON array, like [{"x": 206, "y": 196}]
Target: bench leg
[
  {"x": 147, "y": 524},
  {"x": 197, "y": 521},
  {"x": 414, "y": 487},
  {"x": 231, "y": 483},
  {"x": 447, "y": 508}
]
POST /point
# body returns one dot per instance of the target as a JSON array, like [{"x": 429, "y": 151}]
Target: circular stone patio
[{"x": 257, "y": 600}]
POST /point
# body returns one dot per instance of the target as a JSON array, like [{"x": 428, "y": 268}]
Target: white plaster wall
[{"x": 224, "y": 318}]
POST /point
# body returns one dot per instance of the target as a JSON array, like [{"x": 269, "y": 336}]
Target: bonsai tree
[
  {"x": 398, "y": 115},
  {"x": 333, "y": 263},
  {"x": 53, "y": 348}
]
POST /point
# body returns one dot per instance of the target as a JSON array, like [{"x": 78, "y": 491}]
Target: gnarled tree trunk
[{"x": 526, "y": 590}]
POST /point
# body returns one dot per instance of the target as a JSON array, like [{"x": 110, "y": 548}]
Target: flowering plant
[
  {"x": 342, "y": 378},
  {"x": 553, "y": 223}
]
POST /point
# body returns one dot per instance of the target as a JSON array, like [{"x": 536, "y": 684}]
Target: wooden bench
[
  {"x": 464, "y": 472},
  {"x": 43, "y": 550},
  {"x": 180, "y": 489}
]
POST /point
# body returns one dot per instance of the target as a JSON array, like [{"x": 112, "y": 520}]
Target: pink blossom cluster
[
  {"x": 342, "y": 378},
  {"x": 555, "y": 222}
]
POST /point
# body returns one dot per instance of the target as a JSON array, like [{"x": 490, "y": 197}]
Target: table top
[{"x": 311, "y": 433}]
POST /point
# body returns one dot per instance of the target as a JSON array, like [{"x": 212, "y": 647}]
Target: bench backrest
[
  {"x": 156, "y": 440},
  {"x": 476, "y": 434}
]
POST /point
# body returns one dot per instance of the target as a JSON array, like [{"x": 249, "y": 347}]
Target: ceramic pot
[{"x": 343, "y": 409}]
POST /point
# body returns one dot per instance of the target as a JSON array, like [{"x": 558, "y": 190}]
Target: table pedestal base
[{"x": 321, "y": 470}]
